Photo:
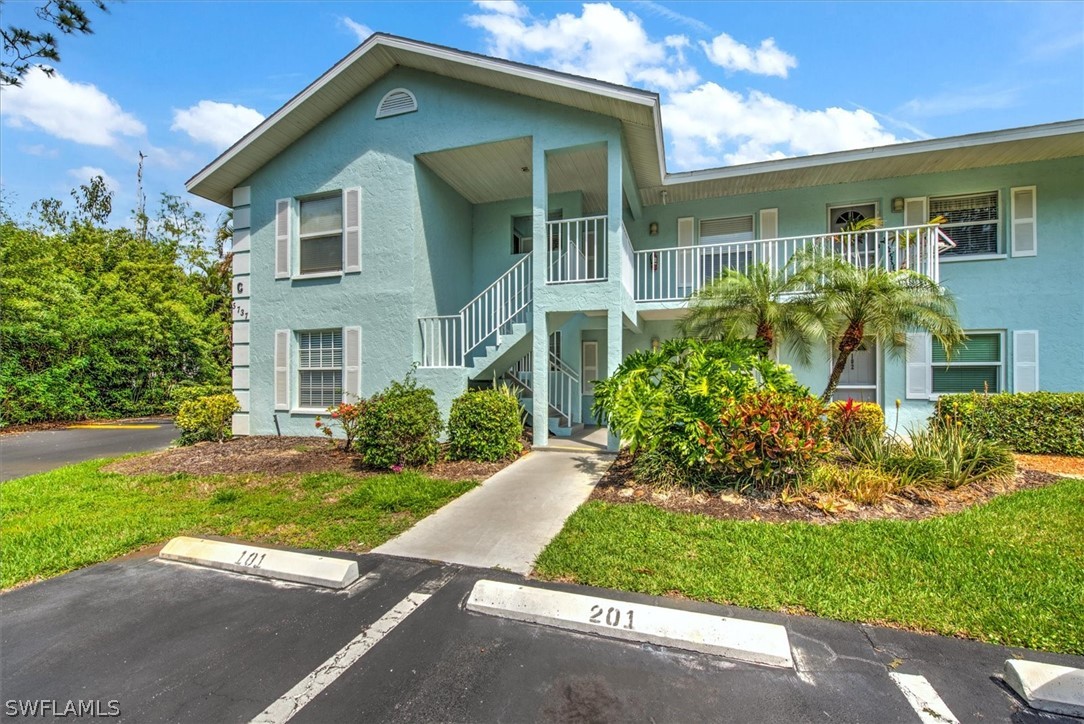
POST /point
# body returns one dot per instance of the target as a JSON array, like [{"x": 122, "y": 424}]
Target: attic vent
[{"x": 397, "y": 102}]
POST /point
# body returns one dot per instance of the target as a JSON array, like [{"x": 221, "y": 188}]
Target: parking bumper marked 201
[
  {"x": 286, "y": 706},
  {"x": 924, "y": 699}
]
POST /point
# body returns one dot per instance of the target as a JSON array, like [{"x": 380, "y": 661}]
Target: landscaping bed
[
  {"x": 271, "y": 455},
  {"x": 619, "y": 486}
]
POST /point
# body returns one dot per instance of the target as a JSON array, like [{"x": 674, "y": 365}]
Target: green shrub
[
  {"x": 399, "y": 427},
  {"x": 859, "y": 483},
  {"x": 662, "y": 467},
  {"x": 485, "y": 425},
  {"x": 766, "y": 436},
  {"x": 913, "y": 469},
  {"x": 1028, "y": 422},
  {"x": 657, "y": 397},
  {"x": 967, "y": 456},
  {"x": 847, "y": 419},
  {"x": 180, "y": 394},
  {"x": 206, "y": 418}
]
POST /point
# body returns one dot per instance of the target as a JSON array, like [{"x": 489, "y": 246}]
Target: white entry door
[{"x": 861, "y": 376}]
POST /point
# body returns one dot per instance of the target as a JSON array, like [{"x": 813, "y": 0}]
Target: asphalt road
[
  {"x": 169, "y": 642},
  {"x": 26, "y": 453}
]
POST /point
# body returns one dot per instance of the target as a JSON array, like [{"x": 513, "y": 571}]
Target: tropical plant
[
  {"x": 765, "y": 437},
  {"x": 347, "y": 416},
  {"x": 967, "y": 456},
  {"x": 767, "y": 305},
  {"x": 858, "y": 304},
  {"x": 656, "y": 397},
  {"x": 850, "y": 418}
]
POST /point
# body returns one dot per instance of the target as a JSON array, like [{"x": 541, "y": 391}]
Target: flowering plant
[{"x": 348, "y": 416}]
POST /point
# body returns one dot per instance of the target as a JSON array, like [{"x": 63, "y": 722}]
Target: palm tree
[
  {"x": 764, "y": 304},
  {"x": 857, "y": 304}
]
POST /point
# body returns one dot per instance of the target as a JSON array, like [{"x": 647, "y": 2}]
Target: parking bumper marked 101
[
  {"x": 924, "y": 699},
  {"x": 310, "y": 568},
  {"x": 750, "y": 641},
  {"x": 286, "y": 706}
]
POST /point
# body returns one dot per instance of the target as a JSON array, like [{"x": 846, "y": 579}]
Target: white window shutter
[
  {"x": 352, "y": 229},
  {"x": 686, "y": 234},
  {"x": 1025, "y": 360},
  {"x": 769, "y": 224},
  {"x": 283, "y": 226},
  {"x": 914, "y": 212},
  {"x": 352, "y": 364},
  {"x": 1024, "y": 237},
  {"x": 919, "y": 366},
  {"x": 282, "y": 369}
]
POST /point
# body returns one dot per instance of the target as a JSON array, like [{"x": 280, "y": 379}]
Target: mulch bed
[
  {"x": 281, "y": 456},
  {"x": 619, "y": 486},
  {"x": 1057, "y": 464}
]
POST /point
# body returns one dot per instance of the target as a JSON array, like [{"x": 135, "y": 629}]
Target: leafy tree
[
  {"x": 767, "y": 305},
  {"x": 859, "y": 304},
  {"x": 22, "y": 46}
]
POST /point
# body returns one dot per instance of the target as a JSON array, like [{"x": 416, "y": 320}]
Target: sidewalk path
[{"x": 509, "y": 519}]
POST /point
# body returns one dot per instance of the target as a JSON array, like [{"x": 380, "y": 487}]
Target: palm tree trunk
[
  {"x": 766, "y": 335},
  {"x": 852, "y": 340}
]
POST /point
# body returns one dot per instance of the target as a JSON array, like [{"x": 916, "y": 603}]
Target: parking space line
[
  {"x": 286, "y": 706},
  {"x": 923, "y": 698}
]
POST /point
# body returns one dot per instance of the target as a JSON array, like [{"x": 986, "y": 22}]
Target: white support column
[
  {"x": 615, "y": 333},
  {"x": 540, "y": 377}
]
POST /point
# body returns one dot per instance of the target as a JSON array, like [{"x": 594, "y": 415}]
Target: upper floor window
[
  {"x": 730, "y": 254},
  {"x": 321, "y": 238},
  {"x": 972, "y": 221}
]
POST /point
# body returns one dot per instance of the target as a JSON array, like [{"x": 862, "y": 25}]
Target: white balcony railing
[
  {"x": 628, "y": 263},
  {"x": 577, "y": 249},
  {"x": 564, "y": 383},
  {"x": 675, "y": 273}
]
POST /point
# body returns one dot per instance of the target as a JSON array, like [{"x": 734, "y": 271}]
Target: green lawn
[
  {"x": 1008, "y": 572},
  {"x": 78, "y": 515}
]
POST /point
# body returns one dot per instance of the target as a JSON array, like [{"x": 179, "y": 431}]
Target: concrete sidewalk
[{"x": 509, "y": 519}]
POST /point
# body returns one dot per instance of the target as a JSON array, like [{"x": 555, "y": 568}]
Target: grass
[
  {"x": 78, "y": 515},
  {"x": 1009, "y": 572}
]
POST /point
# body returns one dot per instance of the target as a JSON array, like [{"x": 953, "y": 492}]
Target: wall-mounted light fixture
[
  {"x": 653, "y": 228},
  {"x": 897, "y": 205},
  {"x": 654, "y": 344}
]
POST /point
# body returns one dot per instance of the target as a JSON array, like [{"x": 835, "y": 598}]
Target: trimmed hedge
[
  {"x": 485, "y": 425},
  {"x": 207, "y": 418},
  {"x": 1050, "y": 423}
]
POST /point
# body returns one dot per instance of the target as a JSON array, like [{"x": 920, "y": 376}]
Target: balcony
[{"x": 673, "y": 274}]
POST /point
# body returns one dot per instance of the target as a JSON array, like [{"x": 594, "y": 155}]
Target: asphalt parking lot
[{"x": 169, "y": 642}]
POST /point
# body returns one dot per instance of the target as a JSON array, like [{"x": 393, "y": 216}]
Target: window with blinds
[
  {"x": 723, "y": 231},
  {"x": 319, "y": 368},
  {"x": 321, "y": 239},
  {"x": 974, "y": 367},
  {"x": 972, "y": 222}
]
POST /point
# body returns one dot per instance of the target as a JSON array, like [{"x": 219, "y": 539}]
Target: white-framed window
[
  {"x": 729, "y": 231},
  {"x": 320, "y": 242},
  {"x": 319, "y": 368},
  {"x": 318, "y": 235},
  {"x": 589, "y": 365},
  {"x": 976, "y": 366},
  {"x": 972, "y": 221}
]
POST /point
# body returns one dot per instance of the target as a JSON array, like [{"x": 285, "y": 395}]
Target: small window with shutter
[{"x": 975, "y": 366}]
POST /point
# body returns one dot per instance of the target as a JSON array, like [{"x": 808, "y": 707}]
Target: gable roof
[
  {"x": 639, "y": 113},
  {"x": 638, "y": 110}
]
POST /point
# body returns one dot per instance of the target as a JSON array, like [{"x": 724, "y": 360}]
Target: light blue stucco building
[{"x": 483, "y": 219}]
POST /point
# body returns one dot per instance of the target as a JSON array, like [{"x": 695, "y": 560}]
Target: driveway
[
  {"x": 26, "y": 453},
  {"x": 168, "y": 642}
]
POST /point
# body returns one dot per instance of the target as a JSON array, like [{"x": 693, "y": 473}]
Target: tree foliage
[
  {"x": 99, "y": 321},
  {"x": 23, "y": 46}
]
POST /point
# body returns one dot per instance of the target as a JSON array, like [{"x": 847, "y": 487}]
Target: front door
[
  {"x": 858, "y": 249},
  {"x": 860, "y": 377}
]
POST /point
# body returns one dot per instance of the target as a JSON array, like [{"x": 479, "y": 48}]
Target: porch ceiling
[{"x": 494, "y": 171}]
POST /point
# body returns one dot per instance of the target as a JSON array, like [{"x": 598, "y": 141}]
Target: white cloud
[
  {"x": 361, "y": 30},
  {"x": 84, "y": 174},
  {"x": 673, "y": 15},
  {"x": 214, "y": 123},
  {"x": 711, "y": 124},
  {"x": 705, "y": 124},
  {"x": 73, "y": 111},
  {"x": 39, "y": 149},
  {"x": 768, "y": 59},
  {"x": 952, "y": 102},
  {"x": 602, "y": 42}
]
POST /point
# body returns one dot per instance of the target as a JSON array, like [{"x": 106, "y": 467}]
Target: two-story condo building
[{"x": 484, "y": 219}]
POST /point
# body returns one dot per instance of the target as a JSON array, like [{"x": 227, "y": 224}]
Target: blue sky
[{"x": 739, "y": 82}]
